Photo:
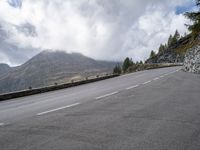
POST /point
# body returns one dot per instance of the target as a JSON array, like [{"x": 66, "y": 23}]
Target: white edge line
[
  {"x": 146, "y": 82},
  {"x": 106, "y": 95},
  {"x": 60, "y": 108},
  {"x": 131, "y": 87}
]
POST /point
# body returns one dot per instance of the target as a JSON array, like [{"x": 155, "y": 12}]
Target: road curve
[{"x": 147, "y": 110}]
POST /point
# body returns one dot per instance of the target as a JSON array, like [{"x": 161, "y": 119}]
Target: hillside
[
  {"x": 48, "y": 68},
  {"x": 4, "y": 69},
  {"x": 175, "y": 53}
]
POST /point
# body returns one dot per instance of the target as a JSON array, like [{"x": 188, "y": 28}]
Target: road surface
[{"x": 149, "y": 110}]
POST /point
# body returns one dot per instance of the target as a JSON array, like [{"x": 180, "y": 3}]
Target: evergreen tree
[
  {"x": 173, "y": 39},
  {"x": 153, "y": 54},
  {"x": 198, "y": 2},
  {"x": 177, "y": 35},
  {"x": 131, "y": 62},
  {"x": 137, "y": 62},
  {"x": 126, "y": 64},
  {"x": 166, "y": 46},
  {"x": 117, "y": 69},
  {"x": 170, "y": 40},
  {"x": 195, "y": 18},
  {"x": 161, "y": 48}
]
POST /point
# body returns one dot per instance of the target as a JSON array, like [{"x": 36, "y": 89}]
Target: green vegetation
[
  {"x": 153, "y": 54},
  {"x": 188, "y": 40},
  {"x": 195, "y": 18},
  {"x": 172, "y": 40},
  {"x": 126, "y": 64},
  {"x": 117, "y": 69},
  {"x": 176, "y": 44},
  {"x": 131, "y": 66},
  {"x": 162, "y": 48}
]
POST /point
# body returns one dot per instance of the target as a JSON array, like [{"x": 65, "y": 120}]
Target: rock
[
  {"x": 168, "y": 56},
  {"x": 173, "y": 54},
  {"x": 192, "y": 60}
]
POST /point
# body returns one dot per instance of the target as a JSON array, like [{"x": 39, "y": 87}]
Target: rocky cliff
[
  {"x": 174, "y": 53},
  {"x": 192, "y": 60}
]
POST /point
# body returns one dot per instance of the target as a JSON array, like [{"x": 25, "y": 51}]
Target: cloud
[
  {"x": 102, "y": 29},
  {"x": 15, "y": 3}
]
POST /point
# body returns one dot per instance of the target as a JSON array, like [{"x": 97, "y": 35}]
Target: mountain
[
  {"x": 4, "y": 69},
  {"x": 49, "y": 67}
]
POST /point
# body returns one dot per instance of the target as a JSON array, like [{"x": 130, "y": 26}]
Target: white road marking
[
  {"x": 156, "y": 79},
  {"x": 162, "y": 76},
  {"x": 106, "y": 95},
  {"x": 2, "y": 124},
  {"x": 146, "y": 82},
  {"x": 60, "y": 108},
  {"x": 131, "y": 87}
]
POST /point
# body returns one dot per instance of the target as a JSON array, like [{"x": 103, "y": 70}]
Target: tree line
[
  {"x": 172, "y": 40},
  {"x": 194, "y": 28},
  {"x": 195, "y": 18},
  {"x": 127, "y": 63}
]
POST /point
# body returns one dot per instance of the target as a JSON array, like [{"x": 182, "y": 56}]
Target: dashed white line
[
  {"x": 60, "y": 108},
  {"x": 106, "y": 95},
  {"x": 146, "y": 82},
  {"x": 131, "y": 87},
  {"x": 2, "y": 124},
  {"x": 162, "y": 76},
  {"x": 156, "y": 79}
]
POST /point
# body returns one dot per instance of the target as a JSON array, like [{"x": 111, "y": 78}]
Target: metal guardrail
[{"x": 33, "y": 91}]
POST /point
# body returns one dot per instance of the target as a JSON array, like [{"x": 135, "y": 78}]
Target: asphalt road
[{"x": 149, "y": 110}]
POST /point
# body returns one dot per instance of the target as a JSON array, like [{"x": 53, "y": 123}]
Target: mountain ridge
[{"x": 47, "y": 68}]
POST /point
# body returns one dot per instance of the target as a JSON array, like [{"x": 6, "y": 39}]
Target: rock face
[
  {"x": 173, "y": 54},
  {"x": 192, "y": 60},
  {"x": 168, "y": 56}
]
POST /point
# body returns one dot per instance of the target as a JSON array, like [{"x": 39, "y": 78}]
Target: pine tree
[
  {"x": 161, "y": 48},
  {"x": 177, "y": 35},
  {"x": 117, "y": 69},
  {"x": 141, "y": 62},
  {"x": 175, "y": 38},
  {"x": 170, "y": 40},
  {"x": 126, "y": 64},
  {"x": 195, "y": 18},
  {"x": 153, "y": 54}
]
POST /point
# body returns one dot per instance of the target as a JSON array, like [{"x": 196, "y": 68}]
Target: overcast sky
[{"x": 101, "y": 29}]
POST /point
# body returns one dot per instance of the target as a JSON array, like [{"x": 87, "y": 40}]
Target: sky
[{"x": 101, "y": 29}]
